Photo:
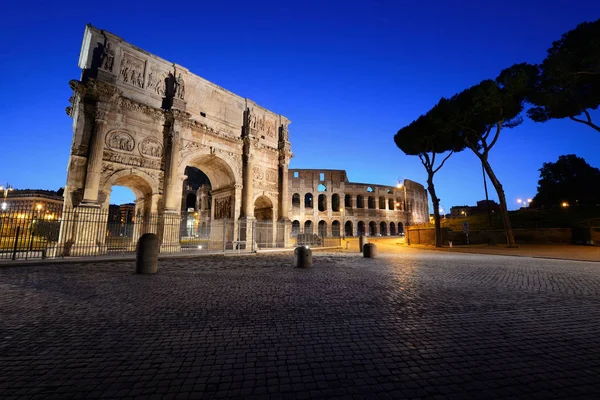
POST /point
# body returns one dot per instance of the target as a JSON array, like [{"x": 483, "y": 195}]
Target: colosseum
[{"x": 323, "y": 201}]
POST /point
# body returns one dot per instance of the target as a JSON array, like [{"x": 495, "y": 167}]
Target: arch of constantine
[{"x": 142, "y": 122}]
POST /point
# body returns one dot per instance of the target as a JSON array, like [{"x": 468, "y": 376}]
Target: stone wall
[{"x": 522, "y": 236}]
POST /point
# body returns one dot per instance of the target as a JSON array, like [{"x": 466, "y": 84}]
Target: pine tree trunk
[
  {"x": 510, "y": 239},
  {"x": 436, "y": 209}
]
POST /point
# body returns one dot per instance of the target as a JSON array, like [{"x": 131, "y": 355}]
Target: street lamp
[
  {"x": 525, "y": 203},
  {"x": 343, "y": 225},
  {"x": 564, "y": 204},
  {"x": 400, "y": 185},
  {"x": 5, "y": 190}
]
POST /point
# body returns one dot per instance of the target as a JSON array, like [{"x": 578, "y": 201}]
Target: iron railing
[{"x": 32, "y": 234}]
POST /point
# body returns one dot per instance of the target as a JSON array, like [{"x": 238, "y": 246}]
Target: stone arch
[
  {"x": 142, "y": 184},
  {"x": 382, "y": 203},
  {"x": 335, "y": 228},
  {"x": 360, "y": 202},
  {"x": 322, "y": 228},
  {"x": 295, "y": 227},
  {"x": 308, "y": 227},
  {"x": 220, "y": 171},
  {"x": 322, "y": 203},
  {"x": 263, "y": 208},
  {"x": 360, "y": 230},
  {"x": 383, "y": 228},
  {"x": 295, "y": 200},
  {"x": 335, "y": 202},
  {"x": 348, "y": 201},
  {"x": 372, "y": 228},
  {"x": 392, "y": 229},
  {"x": 308, "y": 200},
  {"x": 391, "y": 204},
  {"x": 371, "y": 202},
  {"x": 348, "y": 228},
  {"x": 400, "y": 228}
]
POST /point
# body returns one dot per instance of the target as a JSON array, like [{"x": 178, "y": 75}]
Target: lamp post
[
  {"x": 5, "y": 190},
  {"x": 343, "y": 225},
  {"x": 400, "y": 185}
]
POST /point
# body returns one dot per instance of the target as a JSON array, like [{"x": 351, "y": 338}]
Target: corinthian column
[
  {"x": 248, "y": 188},
  {"x": 283, "y": 189},
  {"x": 172, "y": 198},
  {"x": 94, "y": 162}
]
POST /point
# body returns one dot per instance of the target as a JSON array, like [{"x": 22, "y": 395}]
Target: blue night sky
[{"x": 348, "y": 74}]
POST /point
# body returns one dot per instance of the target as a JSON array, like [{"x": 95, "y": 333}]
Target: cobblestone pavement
[{"x": 411, "y": 325}]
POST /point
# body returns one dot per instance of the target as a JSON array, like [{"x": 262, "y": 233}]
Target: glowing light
[
  {"x": 4, "y": 205},
  {"x": 200, "y": 247},
  {"x": 565, "y": 204},
  {"x": 39, "y": 207}
]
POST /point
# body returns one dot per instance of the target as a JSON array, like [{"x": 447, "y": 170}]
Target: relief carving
[
  {"x": 271, "y": 175},
  {"x": 223, "y": 208},
  {"x": 151, "y": 147},
  {"x": 120, "y": 140},
  {"x": 156, "y": 81},
  {"x": 132, "y": 71},
  {"x": 270, "y": 128},
  {"x": 128, "y": 159},
  {"x": 258, "y": 174},
  {"x": 189, "y": 145}
]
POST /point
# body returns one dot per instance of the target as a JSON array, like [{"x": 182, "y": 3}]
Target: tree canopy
[
  {"x": 568, "y": 85},
  {"x": 569, "y": 180},
  {"x": 429, "y": 135}
]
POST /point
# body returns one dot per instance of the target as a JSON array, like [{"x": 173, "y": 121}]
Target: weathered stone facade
[
  {"x": 139, "y": 120},
  {"x": 324, "y": 201}
]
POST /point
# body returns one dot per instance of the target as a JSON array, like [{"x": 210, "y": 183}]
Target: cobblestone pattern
[{"x": 415, "y": 325}]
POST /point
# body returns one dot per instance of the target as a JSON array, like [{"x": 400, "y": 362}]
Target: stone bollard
[
  {"x": 362, "y": 240},
  {"x": 369, "y": 250},
  {"x": 146, "y": 254},
  {"x": 302, "y": 257}
]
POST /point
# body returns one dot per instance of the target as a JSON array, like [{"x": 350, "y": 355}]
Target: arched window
[
  {"x": 321, "y": 188},
  {"x": 400, "y": 229},
  {"x": 383, "y": 228},
  {"x": 372, "y": 228},
  {"x": 348, "y": 201},
  {"x": 369, "y": 189},
  {"x": 392, "y": 229},
  {"x": 399, "y": 205},
  {"x": 361, "y": 228},
  {"x": 348, "y": 228},
  {"x": 295, "y": 200},
  {"x": 371, "y": 202},
  {"x": 308, "y": 228},
  {"x": 359, "y": 202},
  {"x": 295, "y": 228},
  {"x": 308, "y": 200},
  {"x": 335, "y": 202},
  {"x": 391, "y": 204},
  {"x": 322, "y": 228},
  {"x": 382, "y": 203},
  {"x": 335, "y": 229},
  {"x": 322, "y": 202}
]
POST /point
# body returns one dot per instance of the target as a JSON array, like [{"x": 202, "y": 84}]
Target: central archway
[{"x": 212, "y": 219}]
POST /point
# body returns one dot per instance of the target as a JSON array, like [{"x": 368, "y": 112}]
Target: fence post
[
  {"x": 14, "y": 255},
  {"x": 224, "y": 233}
]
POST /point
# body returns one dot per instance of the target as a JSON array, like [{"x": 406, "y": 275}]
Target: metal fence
[{"x": 27, "y": 234}]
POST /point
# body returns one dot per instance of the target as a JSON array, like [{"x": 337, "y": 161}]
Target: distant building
[
  {"x": 33, "y": 203},
  {"x": 480, "y": 208}
]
